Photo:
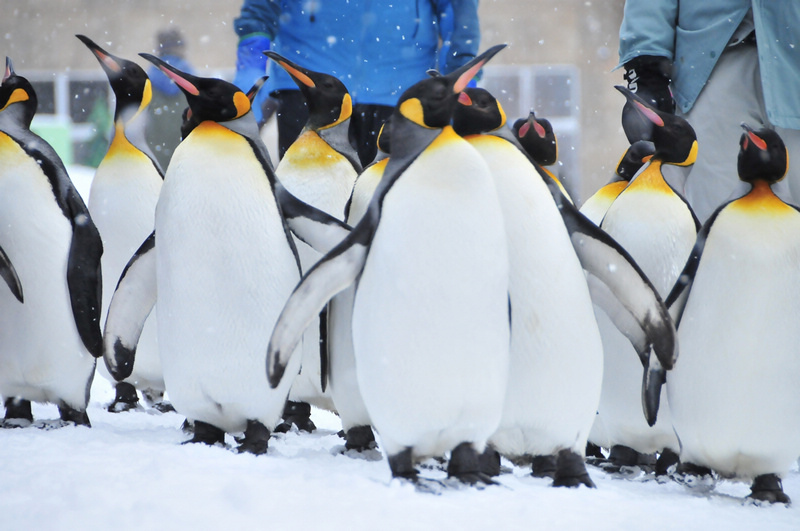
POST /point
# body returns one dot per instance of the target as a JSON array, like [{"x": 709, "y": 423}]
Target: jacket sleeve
[
  {"x": 648, "y": 28},
  {"x": 465, "y": 39},
  {"x": 258, "y": 17}
]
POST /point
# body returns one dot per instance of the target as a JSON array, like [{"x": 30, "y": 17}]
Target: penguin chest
[
  {"x": 38, "y": 339},
  {"x": 122, "y": 203},
  {"x": 224, "y": 263},
  {"x": 655, "y": 226},
  {"x": 317, "y": 174},
  {"x": 733, "y": 390},
  {"x": 430, "y": 319},
  {"x": 597, "y": 205}
]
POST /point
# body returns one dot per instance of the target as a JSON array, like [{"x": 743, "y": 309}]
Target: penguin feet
[
  {"x": 666, "y": 463},
  {"x": 206, "y": 433},
  {"x": 594, "y": 452},
  {"x": 68, "y": 414},
  {"x": 402, "y": 465},
  {"x": 255, "y": 440},
  {"x": 152, "y": 397},
  {"x": 695, "y": 477},
  {"x": 360, "y": 438},
  {"x": 490, "y": 462},
  {"x": 465, "y": 465},
  {"x": 766, "y": 490},
  {"x": 18, "y": 413},
  {"x": 163, "y": 407},
  {"x": 543, "y": 466},
  {"x": 627, "y": 462},
  {"x": 126, "y": 398},
  {"x": 299, "y": 414},
  {"x": 571, "y": 471}
]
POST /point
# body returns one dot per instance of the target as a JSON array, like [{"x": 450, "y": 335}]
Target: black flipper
[
  {"x": 132, "y": 302},
  {"x": 312, "y": 226},
  {"x": 9, "y": 274}
]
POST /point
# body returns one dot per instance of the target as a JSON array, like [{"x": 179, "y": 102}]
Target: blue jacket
[
  {"x": 378, "y": 48},
  {"x": 693, "y": 34}
]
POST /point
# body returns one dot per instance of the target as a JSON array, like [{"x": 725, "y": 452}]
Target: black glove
[{"x": 648, "y": 77}]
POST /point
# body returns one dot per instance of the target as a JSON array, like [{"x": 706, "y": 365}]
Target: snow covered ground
[{"x": 130, "y": 471}]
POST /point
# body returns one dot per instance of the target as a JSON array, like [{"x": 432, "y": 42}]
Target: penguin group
[{"x": 448, "y": 301}]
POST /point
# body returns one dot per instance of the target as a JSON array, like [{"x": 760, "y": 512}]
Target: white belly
[
  {"x": 430, "y": 321},
  {"x": 555, "y": 373},
  {"x": 42, "y": 357},
  {"x": 657, "y": 229},
  {"x": 224, "y": 272},
  {"x": 122, "y": 203},
  {"x": 733, "y": 391}
]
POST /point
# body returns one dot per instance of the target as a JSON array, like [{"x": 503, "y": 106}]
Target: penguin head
[
  {"x": 430, "y": 102},
  {"x": 762, "y": 155},
  {"x": 634, "y": 158},
  {"x": 128, "y": 80},
  {"x": 477, "y": 111},
  {"x": 208, "y": 98},
  {"x": 327, "y": 98},
  {"x": 537, "y": 137},
  {"x": 674, "y": 139},
  {"x": 17, "y": 96}
]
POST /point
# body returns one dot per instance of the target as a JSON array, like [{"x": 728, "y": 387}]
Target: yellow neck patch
[
  {"x": 120, "y": 145},
  {"x": 309, "y": 151},
  {"x": 762, "y": 200},
  {"x": 345, "y": 113},
  {"x": 502, "y": 115},
  {"x": 16, "y": 96},
  {"x": 651, "y": 180},
  {"x": 412, "y": 109}
]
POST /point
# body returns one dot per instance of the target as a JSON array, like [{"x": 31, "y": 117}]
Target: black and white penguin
[
  {"x": 637, "y": 154},
  {"x": 222, "y": 278},
  {"x": 320, "y": 168},
  {"x": 733, "y": 393},
  {"x": 430, "y": 315},
  {"x": 48, "y": 345},
  {"x": 342, "y": 378},
  {"x": 655, "y": 224},
  {"x": 537, "y": 137},
  {"x": 122, "y": 202},
  {"x": 555, "y": 375}
]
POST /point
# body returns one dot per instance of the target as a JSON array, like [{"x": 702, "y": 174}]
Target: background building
[{"x": 558, "y": 63}]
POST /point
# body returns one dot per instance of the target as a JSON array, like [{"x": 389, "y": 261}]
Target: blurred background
[{"x": 559, "y": 63}]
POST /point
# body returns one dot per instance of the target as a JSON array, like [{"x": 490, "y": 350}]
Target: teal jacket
[{"x": 693, "y": 34}]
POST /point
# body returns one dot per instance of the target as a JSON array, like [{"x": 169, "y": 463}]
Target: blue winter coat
[
  {"x": 693, "y": 34},
  {"x": 378, "y": 48}
]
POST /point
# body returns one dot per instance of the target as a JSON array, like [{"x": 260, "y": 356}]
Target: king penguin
[
  {"x": 342, "y": 379},
  {"x": 555, "y": 374},
  {"x": 48, "y": 345},
  {"x": 537, "y": 137},
  {"x": 655, "y": 224},
  {"x": 122, "y": 202},
  {"x": 223, "y": 263},
  {"x": 430, "y": 315},
  {"x": 320, "y": 168},
  {"x": 733, "y": 393}
]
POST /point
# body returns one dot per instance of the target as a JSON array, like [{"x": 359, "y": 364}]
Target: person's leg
[
  {"x": 732, "y": 95},
  {"x": 292, "y": 117}
]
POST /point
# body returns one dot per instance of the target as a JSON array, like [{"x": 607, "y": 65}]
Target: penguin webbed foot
[
  {"x": 255, "y": 440},
  {"x": 298, "y": 414},
  {"x": 766, "y": 490},
  {"x": 18, "y": 413},
  {"x": 206, "y": 433},
  {"x": 466, "y": 467},
  {"x": 125, "y": 399},
  {"x": 70, "y": 415},
  {"x": 360, "y": 438},
  {"x": 543, "y": 466},
  {"x": 571, "y": 471},
  {"x": 695, "y": 477},
  {"x": 667, "y": 462}
]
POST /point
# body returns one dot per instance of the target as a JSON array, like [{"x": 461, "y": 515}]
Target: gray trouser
[{"x": 732, "y": 95}]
